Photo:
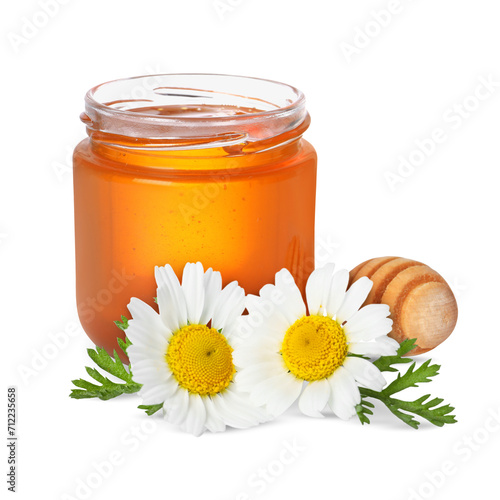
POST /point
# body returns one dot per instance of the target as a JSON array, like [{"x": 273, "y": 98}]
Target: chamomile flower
[
  {"x": 290, "y": 354},
  {"x": 184, "y": 356}
]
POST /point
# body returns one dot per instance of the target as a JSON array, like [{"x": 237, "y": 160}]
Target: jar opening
[{"x": 173, "y": 111}]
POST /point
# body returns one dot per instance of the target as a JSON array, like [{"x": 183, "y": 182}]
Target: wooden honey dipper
[{"x": 421, "y": 302}]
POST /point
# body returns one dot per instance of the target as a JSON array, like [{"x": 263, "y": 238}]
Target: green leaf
[
  {"x": 151, "y": 409},
  {"x": 437, "y": 415},
  {"x": 352, "y": 355},
  {"x": 124, "y": 344},
  {"x": 431, "y": 411},
  {"x": 363, "y": 409},
  {"x": 412, "y": 377},
  {"x": 123, "y": 324},
  {"x": 384, "y": 363},
  {"x": 405, "y": 417},
  {"x": 106, "y": 388},
  {"x": 109, "y": 364},
  {"x": 406, "y": 346},
  {"x": 406, "y": 410}
]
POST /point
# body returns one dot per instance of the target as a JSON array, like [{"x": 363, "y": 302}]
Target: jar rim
[{"x": 115, "y": 108}]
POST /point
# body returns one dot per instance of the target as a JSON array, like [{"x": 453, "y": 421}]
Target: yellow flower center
[
  {"x": 314, "y": 347},
  {"x": 200, "y": 359}
]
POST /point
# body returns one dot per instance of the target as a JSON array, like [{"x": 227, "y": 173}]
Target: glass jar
[{"x": 184, "y": 168}]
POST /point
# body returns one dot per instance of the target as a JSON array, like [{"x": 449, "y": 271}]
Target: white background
[{"x": 366, "y": 112}]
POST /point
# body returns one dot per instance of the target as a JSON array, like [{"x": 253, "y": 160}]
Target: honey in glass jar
[{"x": 183, "y": 168}]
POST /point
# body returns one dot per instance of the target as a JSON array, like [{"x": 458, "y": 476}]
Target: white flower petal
[
  {"x": 345, "y": 394},
  {"x": 340, "y": 280},
  {"x": 148, "y": 361},
  {"x": 394, "y": 344},
  {"x": 238, "y": 331},
  {"x": 196, "y": 416},
  {"x": 373, "y": 349},
  {"x": 152, "y": 387},
  {"x": 253, "y": 374},
  {"x": 156, "y": 394},
  {"x": 176, "y": 407},
  {"x": 232, "y": 411},
  {"x": 139, "y": 361},
  {"x": 383, "y": 327},
  {"x": 150, "y": 339},
  {"x": 213, "y": 285},
  {"x": 265, "y": 337},
  {"x": 147, "y": 320},
  {"x": 228, "y": 416},
  {"x": 318, "y": 289},
  {"x": 143, "y": 340},
  {"x": 354, "y": 298},
  {"x": 262, "y": 343},
  {"x": 277, "y": 393},
  {"x": 314, "y": 398},
  {"x": 263, "y": 313},
  {"x": 142, "y": 311},
  {"x": 367, "y": 316},
  {"x": 147, "y": 369},
  {"x": 240, "y": 400},
  {"x": 193, "y": 287},
  {"x": 365, "y": 373},
  {"x": 230, "y": 304},
  {"x": 170, "y": 298},
  {"x": 288, "y": 295},
  {"x": 213, "y": 422},
  {"x": 249, "y": 354},
  {"x": 253, "y": 303}
]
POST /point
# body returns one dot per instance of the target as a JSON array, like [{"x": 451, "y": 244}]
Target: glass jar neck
[{"x": 194, "y": 112}]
